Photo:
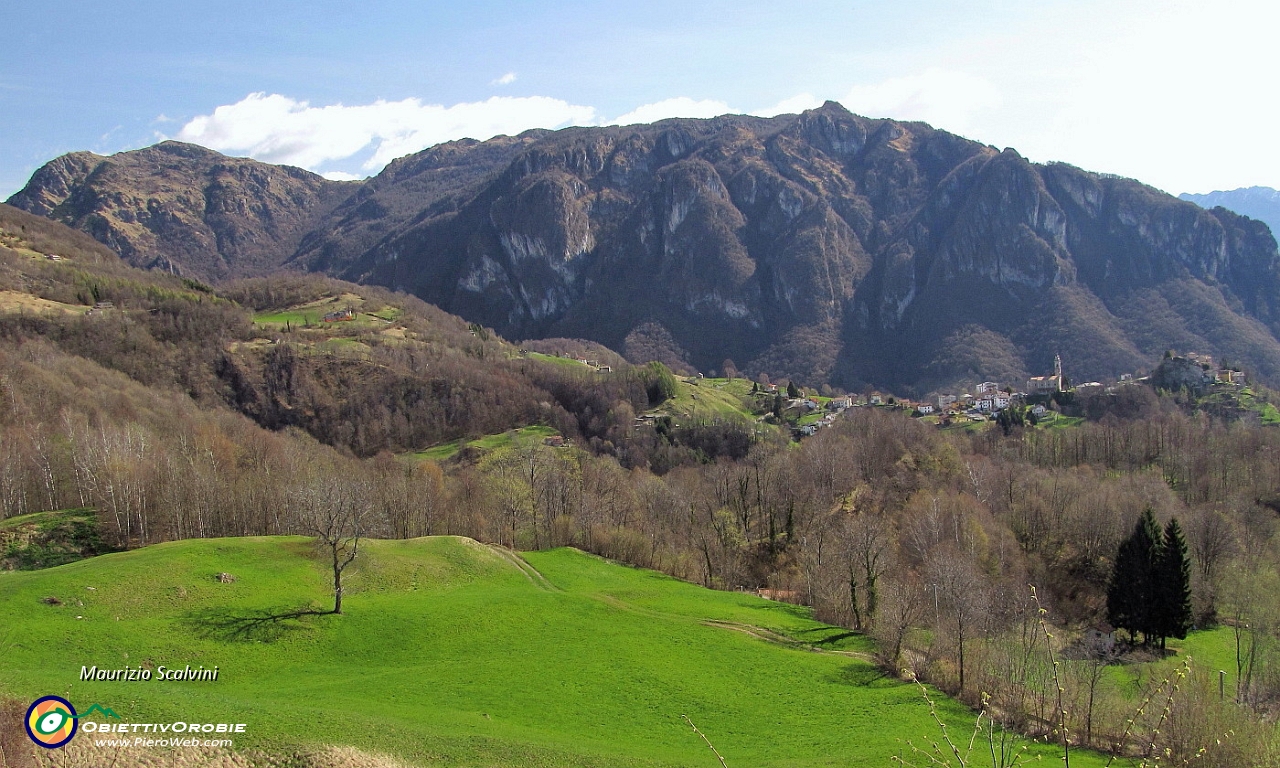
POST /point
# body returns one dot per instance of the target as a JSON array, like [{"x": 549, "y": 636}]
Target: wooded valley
[{"x": 178, "y": 412}]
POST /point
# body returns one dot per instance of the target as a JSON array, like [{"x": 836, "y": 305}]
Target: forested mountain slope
[
  {"x": 823, "y": 246},
  {"x": 175, "y": 410}
]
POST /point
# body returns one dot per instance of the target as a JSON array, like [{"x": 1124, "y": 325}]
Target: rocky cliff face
[
  {"x": 54, "y": 182},
  {"x": 419, "y": 187},
  {"x": 823, "y": 246},
  {"x": 184, "y": 208}
]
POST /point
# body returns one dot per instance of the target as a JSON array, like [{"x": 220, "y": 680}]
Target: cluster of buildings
[
  {"x": 340, "y": 315},
  {"x": 100, "y": 308},
  {"x": 985, "y": 401},
  {"x": 595, "y": 365},
  {"x": 987, "y": 398},
  {"x": 1210, "y": 372},
  {"x": 990, "y": 397},
  {"x": 835, "y": 406},
  {"x": 592, "y": 364}
]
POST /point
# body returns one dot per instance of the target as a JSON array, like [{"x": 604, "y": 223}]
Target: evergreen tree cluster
[{"x": 1150, "y": 588}]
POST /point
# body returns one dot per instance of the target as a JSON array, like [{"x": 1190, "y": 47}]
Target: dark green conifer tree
[
  {"x": 792, "y": 391},
  {"x": 1173, "y": 583},
  {"x": 1132, "y": 593}
]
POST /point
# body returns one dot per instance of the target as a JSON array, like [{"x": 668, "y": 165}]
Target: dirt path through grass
[
  {"x": 534, "y": 576},
  {"x": 770, "y": 636}
]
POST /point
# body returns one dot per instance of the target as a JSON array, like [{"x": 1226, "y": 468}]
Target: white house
[
  {"x": 986, "y": 388},
  {"x": 1099, "y": 640}
]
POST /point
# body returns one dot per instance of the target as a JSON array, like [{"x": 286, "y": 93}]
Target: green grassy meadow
[
  {"x": 453, "y": 653},
  {"x": 312, "y": 314},
  {"x": 709, "y": 399},
  {"x": 1064, "y": 422},
  {"x": 292, "y": 317},
  {"x": 564, "y": 362},
  {"x": 45, "y": 539},
  {"x": 445, "y": 451},
  {"x": 1209, "y": 650}
]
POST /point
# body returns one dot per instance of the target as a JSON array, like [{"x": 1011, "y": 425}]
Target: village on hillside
[
  {"x": 1033, "y": 401},
  {"x": 1037, "y": 399}
]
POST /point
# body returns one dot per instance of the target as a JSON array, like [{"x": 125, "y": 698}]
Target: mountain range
[
  {"x": 1261, "y": 203},
  {"x": 824, "y": 246}
]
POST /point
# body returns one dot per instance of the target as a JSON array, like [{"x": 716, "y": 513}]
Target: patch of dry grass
[{"x": 14, "y": 301}]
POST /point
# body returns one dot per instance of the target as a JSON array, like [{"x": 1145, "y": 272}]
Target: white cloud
[
  {"x": 681, "y": 106},
  {"x": 506, "y": 79},
  {"x": 338, "y": 139},
  {"x": 943, "y": 98},
  {"x": 278, "y": 129},
  {"x": 794, "y": 105}
]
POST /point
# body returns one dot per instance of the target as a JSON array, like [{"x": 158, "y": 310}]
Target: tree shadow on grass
[
  {"x": 779, "y": 606},
  {"x": 866, "y": 676},
  {"x": 260, "y": 625},
  {"x": 824, "y": 635}
]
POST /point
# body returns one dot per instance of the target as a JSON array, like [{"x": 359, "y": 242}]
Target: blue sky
[{"x": 1178, "y": 94}]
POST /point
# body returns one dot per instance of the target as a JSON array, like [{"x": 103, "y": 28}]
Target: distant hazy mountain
[
  {"x": 822, "y": 246},
  {"x": 1261, "y": 203}
]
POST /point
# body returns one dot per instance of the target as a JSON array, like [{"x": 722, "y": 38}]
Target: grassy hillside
[
  {"x": 1209, "y": 650},
  {"x": 453, "y": 653},
  {"x": 366, "y": 314},
  {"x": 45, "y": 539},
  {"x": 536, "y": 433},
  {"x": 710, "y": 399}
]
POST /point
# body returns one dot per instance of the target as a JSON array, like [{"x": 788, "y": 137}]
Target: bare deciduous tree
[
  {"x": 962, "y": 596},
  {"x": 901, "y": 607},
  {"x": 867, "y": 544},
  {"x": 335, "y": 511}
]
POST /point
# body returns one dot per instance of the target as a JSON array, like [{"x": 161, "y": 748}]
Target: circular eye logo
[{"x": 51, "y": 721}]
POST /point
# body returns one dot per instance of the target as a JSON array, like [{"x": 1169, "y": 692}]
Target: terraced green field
[
  {"x": 453, "y": 653},
  {"x": 444, "y": 451}
]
